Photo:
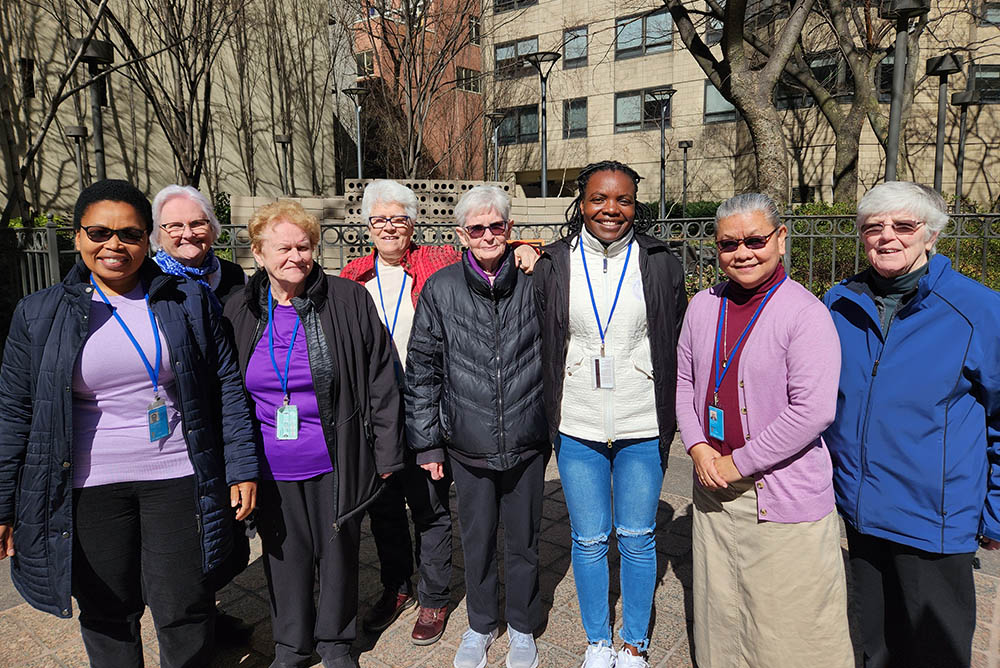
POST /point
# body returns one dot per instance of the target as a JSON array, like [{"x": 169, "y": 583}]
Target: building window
[
  {"x": 991, "y": 14},
  {"x": 883, "y": 78},
  {"x": 717, "y": 108},
  {"x": 365, "y": 62},
  {"x": 713, "y": 27},
  {"x": 475, "y": 30},
  {"x": 507, "y": 5},
  {"x": 640, "y": 35},
  {"x": 509, "y": 57},
  {"x": 638, "y": 110},
  {"x": 575, "y": 47},
  {"x": 987, "y": 81},
  {"x": 467, "y": 79},
  {"x": 790, "y": 94},
  {"x": 575, "y": 118},
  {"x": 520, "y": 125}
]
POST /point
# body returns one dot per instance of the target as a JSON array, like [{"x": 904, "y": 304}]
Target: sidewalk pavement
[{"x": 31, "y": 639}]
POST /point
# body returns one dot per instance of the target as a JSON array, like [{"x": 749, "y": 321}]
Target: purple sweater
[{"x": 788, "y": 374}]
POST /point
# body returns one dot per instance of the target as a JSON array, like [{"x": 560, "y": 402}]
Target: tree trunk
[{"x": 845, "y": 164}]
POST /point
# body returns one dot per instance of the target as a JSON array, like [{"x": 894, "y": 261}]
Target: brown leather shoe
[
  {"x": 430, "y": 625},
  {"x": 387, "y": 609}
]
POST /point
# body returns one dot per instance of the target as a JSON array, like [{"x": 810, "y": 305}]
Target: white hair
[
  {"x": 914, "y": 199},
  {"x": 749, "y": 203},
  {"x": 193, "y": 194},
  {"x": 481, "y": 199},
  {"x": 387, "y": 191}
]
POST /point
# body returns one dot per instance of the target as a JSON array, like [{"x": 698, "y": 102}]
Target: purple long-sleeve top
[{"x": 788, "y": 376}]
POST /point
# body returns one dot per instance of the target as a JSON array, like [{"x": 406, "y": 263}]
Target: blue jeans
[{"x": 589, "y": 471}]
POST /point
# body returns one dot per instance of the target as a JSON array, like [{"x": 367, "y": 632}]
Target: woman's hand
[
  {"x": 727, "y": 469},
  {"x": 243, "y": 497},
  {"x": 525, "y": 257},
  {"x": 705, "y": 457},
  {"x": 436, "y": 469},
  {"x": 985, "y": 543},
  {"x": 385, "y": 475},
  {"x": 6, "y": 541}
]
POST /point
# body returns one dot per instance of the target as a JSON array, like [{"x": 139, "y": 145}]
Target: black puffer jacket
[
  {"x": 666, "y": 300},
  {"x": 350, "y": 357},
  {"x": 474, "y": 369}
]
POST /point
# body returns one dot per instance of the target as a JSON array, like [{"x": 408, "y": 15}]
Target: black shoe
[
  {"x": 387, "y": 609},
  {"x": 231, "y": 631}
]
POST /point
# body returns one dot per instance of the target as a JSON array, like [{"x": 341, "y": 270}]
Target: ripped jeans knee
[
  {"x": 594, "y": 547},
  {"x": 636, "y": 542}
]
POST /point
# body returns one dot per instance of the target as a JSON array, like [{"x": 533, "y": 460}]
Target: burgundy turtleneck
[{"x": 740, "y": 306}]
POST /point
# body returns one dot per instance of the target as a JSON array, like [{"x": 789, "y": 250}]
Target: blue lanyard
[
  {"x": 603, "y": 330},
  {"x": 270, "y": 345},
  {"x": 399, "y": 301},
  {"x": 720, "y": 374},
  {"x": 154, "y": 372}
]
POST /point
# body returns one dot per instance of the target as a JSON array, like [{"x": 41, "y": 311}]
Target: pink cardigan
[{"x": 788, "y": 375}]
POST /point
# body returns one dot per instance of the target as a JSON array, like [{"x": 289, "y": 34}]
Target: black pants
[
  {"x": 137, "y": 544},
  {"x": 484, "y": 497},
  {"x": 295, "y": 521},
  {"x": 429, "y": 507},
  {"x": 918, "y": 609}
]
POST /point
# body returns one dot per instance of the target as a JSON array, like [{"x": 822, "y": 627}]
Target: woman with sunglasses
[
  {"x": 474, "y": 401},
  {"x": 916, "y": 439},
  {"x": 611, "y": 301},
  {"x": 394, "y": 273},
  {"x": 126, "y": 447},
  {"x": 757, "y": 371},
  {"x": 184, "y": 228}
]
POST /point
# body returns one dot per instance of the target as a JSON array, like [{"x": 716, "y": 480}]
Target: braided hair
[{"x": 574, "y": 218}]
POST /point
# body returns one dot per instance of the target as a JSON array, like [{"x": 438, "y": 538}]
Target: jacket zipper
[
  {"x": 496, "y": 346},
  {"x": 868, "y": 411}
]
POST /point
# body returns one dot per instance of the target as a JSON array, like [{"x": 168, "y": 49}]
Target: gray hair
[
  {"x": 481, "y": 199},
  {"x": 748, "y": 203},
  {"x": 192, "y": 194},
  {"x": 387, "y": 191},
  {"x": 914, "y": 199}
]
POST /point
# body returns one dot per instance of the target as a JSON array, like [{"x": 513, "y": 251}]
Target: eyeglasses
[
  {"x": 128, "y": 235},
  {"x": 196, "y": 226},
  {"x": 902, "y": 228},
  {"x": 476, "y": 231},
  {"x": 755, "y": 242},
  {"x": 379, "y": 222}
]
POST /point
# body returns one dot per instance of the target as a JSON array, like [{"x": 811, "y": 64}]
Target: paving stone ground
[{"x": 31, "y": 639}]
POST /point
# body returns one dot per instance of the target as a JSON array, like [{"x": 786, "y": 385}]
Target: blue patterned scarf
[{"x": 210, "y": 265}]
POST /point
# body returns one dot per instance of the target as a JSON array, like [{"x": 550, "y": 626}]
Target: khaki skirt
[{"x": 766, "y": 595}]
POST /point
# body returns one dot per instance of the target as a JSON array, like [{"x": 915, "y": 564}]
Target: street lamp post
[
  {"x": 941, "y": 67},
  {"x": 357, "y": 93},
  {"x": 662, "y": 96},
  {"x": 902, "y": 11},
  {"x": 496, "y": 118},
  {"x": 78, "y": 133},
  {"x": 283, "y": 141},
  {"x": 963, "y": 100},
  {"x": 543, "y": 61},
  {"x": 98, "y": 55},
  {"x": 684, "y": 144}
]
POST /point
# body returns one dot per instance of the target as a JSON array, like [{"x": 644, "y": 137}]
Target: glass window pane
[
  {"x": 629, "y": 35},
  {"x": 659, "y": 29},
  {"x": 988, "y": 82},
  {"x": 575, "y": 44},
  {"x": 505, "y": 52},
  {"x": 526, "y": 46},
  {"x": 508, "y": 129},
  {"x": 628, "y": 110},
  {"x": 991, "y": 13},
  {"x": 529, "y": 124},
  {"x": 651, "y": 112},
  {"x": 578, "y": 114}
]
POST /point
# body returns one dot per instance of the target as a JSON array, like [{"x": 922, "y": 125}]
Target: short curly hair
[{"x": 284, "y": 210}]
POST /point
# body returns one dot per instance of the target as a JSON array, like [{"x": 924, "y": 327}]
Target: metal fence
[{"x": 821, "y": 250}]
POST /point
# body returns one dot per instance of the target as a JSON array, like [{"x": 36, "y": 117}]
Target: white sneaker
[
  {"x": 472, "y": 652},
  {"x": 626, "y": 660},
  {"x": 522, "y": 652},
  {"x": 599, "y": 656}
]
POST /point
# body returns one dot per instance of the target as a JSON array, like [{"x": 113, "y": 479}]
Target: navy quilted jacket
[{"x": 47, "y": 333}]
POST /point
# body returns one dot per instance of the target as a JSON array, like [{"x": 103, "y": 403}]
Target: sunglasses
[
  {"x": 128, "y": 235},
  {"x": 395, "y": 222},
  {"x": 902, "y": 228},
  {"x": 755, "y": 242},
  {"x": 476, "y": 231}
]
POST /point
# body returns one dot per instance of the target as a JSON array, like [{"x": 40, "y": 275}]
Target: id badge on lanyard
[
  {"x": 286, "y": 422},
  {"x": 286, "y": 416},
  {"x": 156, "y": 419},
  {"x": 602, "y": 372},
  {"x": 602, "y": 367}
]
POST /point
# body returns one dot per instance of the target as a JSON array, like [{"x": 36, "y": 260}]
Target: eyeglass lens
[
  {"x": 196, "y": 226},
  {"x": 476, "y": 231},
  {"x": 753, "y": 243},
  {"x": 378, "y": 222},
  {"x": 903, "y": 227},
  {"x": 128, "y": 235}
]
